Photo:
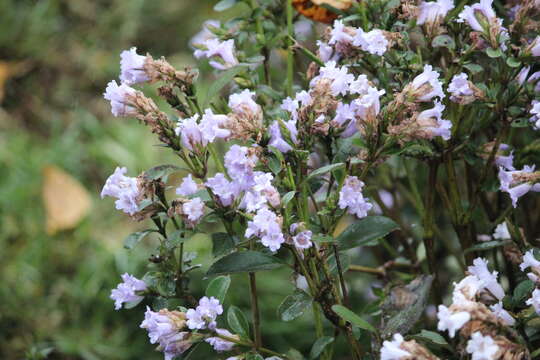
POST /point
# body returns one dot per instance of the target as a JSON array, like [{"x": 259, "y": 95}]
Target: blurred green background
[{"x": 56, "y": 57}]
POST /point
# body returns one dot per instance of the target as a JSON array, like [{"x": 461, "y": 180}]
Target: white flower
[
  {"x": 291, "y": 106},
  {"x": 205, "y": 33},
  {"x": 221, "y": 53},
  {"x": 513, "y": 187},
  {"x": 211, "y": 126},
  {"x": 529, "y": 261},
  {"x": 426, "y": 86},
  {"x": 451, "y": 321},
  {"x": 535, "y": 46},
  {"x": 434, "y": 11},
  {"x": 193, "y": 209},
  {"x": 219, "y": 344},
  {"x": 360, "y": 85},
  {"x": 339, "y": 35},
  {"x": 467, "y": 289},
  {"x": 459, "y": 87},
  {"x": 502, "y": 314},
  {"x": 126, "y": 291},
  {"x": 188, "y": 187},
  {"x": 304, "y": 98},
  {"x": 535, "y": 112},
  {"x": 482, "y": 347},
  {"x": 265, "y": 225},
  {"x": 373, "y": 42},
  {"x": 276, "y": 138},
  {"x": 340, "y": 77},
  {"x": 124, "y": 188},
  {"x": 432, "y": 122},
  {"x": 481, "y": 10},
  {"x": 489, "y": 279},
  {"x": 501, "y": 232},
  {"x": 261, "y": 193},
  {"x": 160, "y": 327},
  {"x": 190, "y": 133},
  {"x": 352, "y": 199},
  {"x": 326, "y": 52},
  {"x": 132, "y": 67},
  {"x": 391, "y": 349},
  {"x": 119, "y": 95},
  {"x": 507, "y": 161},
  {"x": 535, "y": 300},
  {"x": 368, "y": 106},
  {"x": 244, "y": 98},
  {"x": 205, "y": 314},
  {"x": 302, "y": 239}
]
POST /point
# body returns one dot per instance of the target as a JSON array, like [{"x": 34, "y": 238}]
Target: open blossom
[
  {"x": 339, "y": 34},
  {"x": 432, "y": 123},
  {"x": 352, "y": 199},
  {"x": 368, "y": 106},
  {"x": 462, "y": 91},
  {"x": 373, "y": 42},
  {"x": 346, "y": 116},
  {"x": 212, "y": 126},
  {"x": 534, "y": 47},
  {"x": 239, "y": 162},
  {"x": 219, "y": 344},
  {"x": 451, "y": 321},
  {"x": 326, "y": 52},
  {"x": 291, "y": 106},
  {"x": 276, "y": 138},
  {"x": 529, "y": 261},
  {"x": 499, "y": 311},
  {"x": 261, "y": 193},
  {"x": 535, "y": 300},
  {"x": 479, "y": 13},
  {"x": 467, "y": 289},
  {"x": 339, "y": 76},
  {"x": 187, "y": 187},
  {"x": 220, "y": 53},
  {"x": 391, "y": 349},
  {"x": 489, "y": 279},
  {"x": 119, "y": 96},
  {"x": 427, "y": 85},
  {"x": 205, "y": 314},
  {"x": 126, "y": 291},
  {"x": 433, "y": 11},
  {"x": 237, "y": 101},
  {"x": 501, "y": 232},
  {"x": 205, "y": 33},
  {"x": 193, "y": 209},
  {"x": 124, "y": 188},
  {"x": 266, "y": 226},
  {"x": 518, "y": 182},
  {"x": 535, "y": 112},
  {"x": 190, "y": 133},
  {"x": 224, "y": 189},
  {"x": 301, "y": 239},
  {"x": 132, "y": 67},
  {"x": 482, "y": 347},
  {"x": 164, "y": 328}
]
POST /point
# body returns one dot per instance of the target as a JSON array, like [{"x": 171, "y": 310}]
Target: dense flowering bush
[{"x": 406, "y": 112}]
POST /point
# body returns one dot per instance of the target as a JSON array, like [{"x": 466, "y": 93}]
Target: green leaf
[
  {"x": 294, "y": 305},
  {"x": 344, "y": 260},
  {"x": 494, "y": 53},
  {"x": 252, "y": 356},
  {"x": 488, "y": 245},
  {"x": 443, "y": 41},
  {"x": 245, "y": 261},
  {"x": 351, "y": 317},
  {"x": 474, "y": 68},
  {"x": 404, "y": 306},
  {"x": 133, "y": 239},
  {"x": 161, "y": 172},
  {"x": 237, "y": 321},
  {"x": 522, "y": 292},
  {"x": 176, "y": 238},
  {"x": 224, "y": 5},
  {"x": 222, "y": 243},
  {"x": 365, "y": 230},
  {"x": 319, "y": 345},
  {"x": 224, "y": 79},
  {"x": 218, "y": 287},
  {"x": 324, "y": 170},
  {"x": 513, "y": 62},
  {"x": 432, "y": 338},
  {"x": 287, "y": 197},
  {"x": 294, "y": 354}
]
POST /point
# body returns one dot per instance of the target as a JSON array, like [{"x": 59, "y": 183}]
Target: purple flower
[
  {"x": 433, "y": 11},
  {"x": 426, "y": 86},
  {"x": 352, "y": 199},
  {"x": 432, "y": 122},
  {"x": 339, "y": 34},
  {"x": 302, "y": 239},
  {"x": 205, "y": 314},
  {"x": 219, "y": 344},
  {"x": 188, "y": 187},
  {"x": 125, "y": 189},
  {"x": 265, "y": 225},
  {"x": 244, "y": 98},
  {"x": 126, "y": 291},
  {"x": 194, "y": 210},
  {"x": 190, "y": 133},
  {"x": 221, "y": 54},
  {"x": 211, "y": 126},
  {"x": 225, "y": 190},
  {"x": 239, "y": 162},
  {"x": 373, "y": 42},
  {"x": 119, "y": 95},
  {"x": 132, "y": 67}
]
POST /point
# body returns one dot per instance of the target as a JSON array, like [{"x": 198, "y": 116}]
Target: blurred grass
[{"x": 54, "y": 292}]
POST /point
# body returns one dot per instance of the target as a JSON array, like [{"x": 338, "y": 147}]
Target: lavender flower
[
  {"x": 125, "y": 189},
  {"x": 132, "y": 67},
  {"x": 194, "y": 210},
  {"x": 302, "y": 238},
  {"x": 433, "y": 11},
  {"x": 518, "y": 182},
  {"x": 245, "y": 98},
  {"x": 119, "y": 96},
  {"x": 352, "y": 199},
  {"x": 482, "y": 347},
  {"x": 504, "y": 315},
  {"x": 205, "y": 34},
  {"x": 426, "y": 86},
  {"x": 459, "y": 88},
  {"x": 221, "y": 54},
  {"x": 535, "y": 300},
  {"x": 535, "y": 112},
  {"x": 188, "y": 187},
  {"x": 126, "y": 291},
  {"x": 223, "y": 189},
  {"x": 339, "y": 77},
  {"x": 190, "y": 133},
  {"x": 265, "y": 225},
  {"x": 339, "y": 34},
  {"x": 432, "y": 123},
  {"x": 501, "y": 232},
  {"x": 219, "y": 344},
  {"x": 205, "y": 314},
  {"x": 373, "y": 42},
  {"x": 479, "y": 13}
]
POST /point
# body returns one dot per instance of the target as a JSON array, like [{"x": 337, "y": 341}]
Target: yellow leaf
[{"x": 66, "y": 201}]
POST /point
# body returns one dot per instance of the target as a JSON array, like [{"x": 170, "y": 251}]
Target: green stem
[
  {"x": 290, "y": 55},
  {"x": 255, "y": 311}
]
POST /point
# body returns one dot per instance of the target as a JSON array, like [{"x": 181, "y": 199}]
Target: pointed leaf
[
  {"x": 238, "y": 322},
  {"x": 218, "y": 287},
  {"x": 245, "y": 261},
  {"x": 294, "y": 305},
  {"x": 365, "y": 230},
  {"x": 319, "y": 345},
  {"x": 133, "y": 239},
  {"x": 351, "y": 317}
]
